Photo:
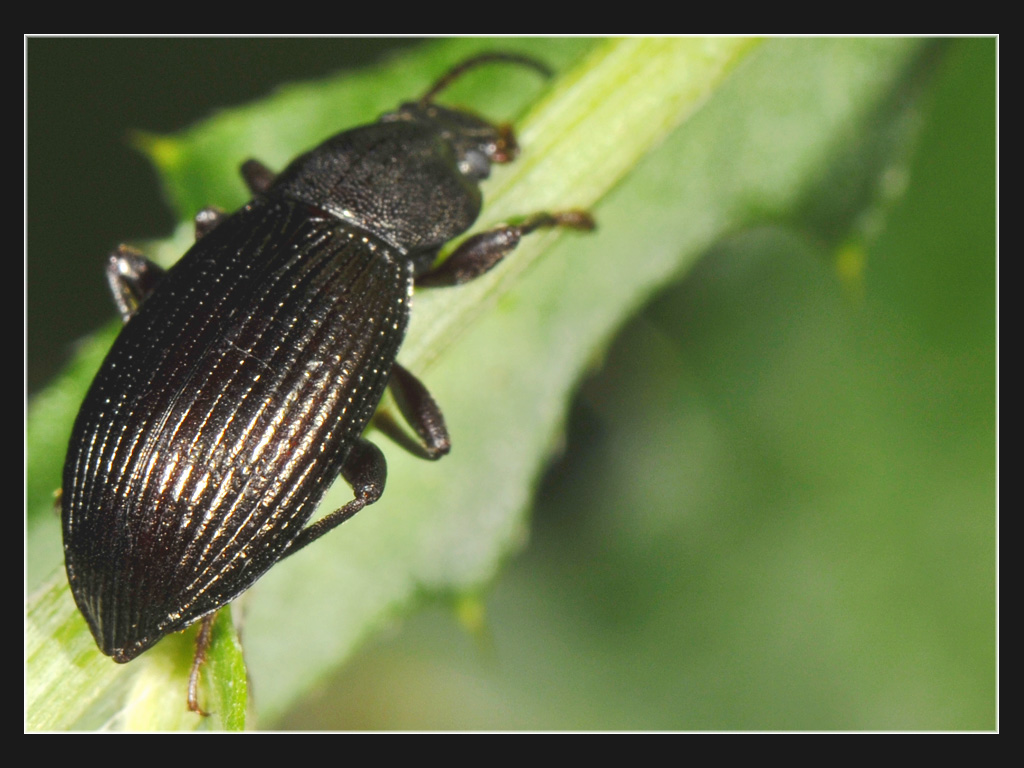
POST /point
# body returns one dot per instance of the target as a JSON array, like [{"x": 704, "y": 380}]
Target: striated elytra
[{"x": 244, "y": 376}]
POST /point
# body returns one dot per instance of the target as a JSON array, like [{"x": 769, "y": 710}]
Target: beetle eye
[{"x": 475, "y": 164}]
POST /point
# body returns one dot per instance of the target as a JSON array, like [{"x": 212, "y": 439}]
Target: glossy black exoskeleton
[{"x": 242, "y": 381}]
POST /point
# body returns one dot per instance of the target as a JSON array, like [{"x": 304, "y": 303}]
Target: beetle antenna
[{"x": 484, "y": 58}]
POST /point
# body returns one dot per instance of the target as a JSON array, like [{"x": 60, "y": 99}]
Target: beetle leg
[
  {"x": 258, "y": 177},
  {"x": 478, "y": 254},
  {"x": 203, "y": 640},
  {"x": 365, "y": 470},
  {"x": 132, "y": 278},
  {"x": 421, "y": 413},
  {"x": 207, "y": 219}
]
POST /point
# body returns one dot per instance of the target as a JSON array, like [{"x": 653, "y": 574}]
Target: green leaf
[{"x": 673, "y": 143}]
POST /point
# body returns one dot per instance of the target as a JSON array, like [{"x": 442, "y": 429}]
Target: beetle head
[{"x": 476, "y": 142}]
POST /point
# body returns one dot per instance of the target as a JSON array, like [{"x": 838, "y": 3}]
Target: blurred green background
[{"x": 775, "y": 505}]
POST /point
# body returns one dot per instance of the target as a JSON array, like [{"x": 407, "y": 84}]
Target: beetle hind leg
[
  {"x": 203, "y": 641},
  {"x": 365, "y": 470}
]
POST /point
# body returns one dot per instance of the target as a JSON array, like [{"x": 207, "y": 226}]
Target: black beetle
[{"x": 242, "y": 381}]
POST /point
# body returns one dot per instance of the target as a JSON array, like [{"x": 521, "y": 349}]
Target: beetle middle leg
[
  {"x": 420, "y": 411},
  {"x": 480, "y": 253},
  {"x": 132, "y": 278}
]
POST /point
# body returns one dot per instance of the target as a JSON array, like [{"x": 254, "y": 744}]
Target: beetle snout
[{"x": 506, "y": 148}]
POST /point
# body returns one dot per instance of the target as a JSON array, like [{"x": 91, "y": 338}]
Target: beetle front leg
[
  {"x": 365, "y": 470},
  {"x": 480, "y": 253}
]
